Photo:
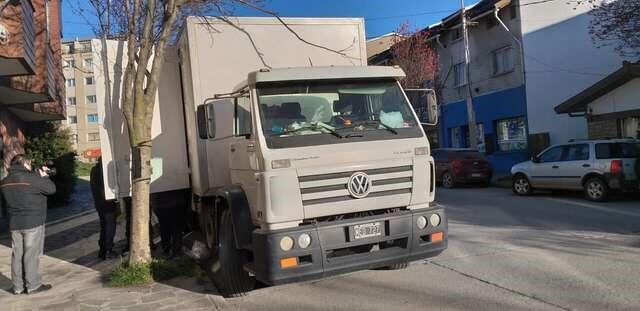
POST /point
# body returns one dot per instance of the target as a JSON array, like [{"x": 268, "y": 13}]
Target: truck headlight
[
  {"x": 284, "y": 163},
  {"x": 304, "y": 240},
  {"x": 286, "y": 243},
  {"x": 435, "y": 220},
  {"x": 421, "y": 222},
  {"x": 421, "y": 151}
]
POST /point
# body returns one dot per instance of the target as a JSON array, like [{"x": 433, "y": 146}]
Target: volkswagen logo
[{"x": 359, "y": 185}]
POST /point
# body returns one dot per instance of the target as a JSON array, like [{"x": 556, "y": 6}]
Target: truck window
[
  {"x": 324, "y": 110},
  {"x": 243, "y": 116}
]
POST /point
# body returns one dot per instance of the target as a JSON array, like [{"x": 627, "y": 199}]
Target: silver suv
[{"x": 595, "y": 166}]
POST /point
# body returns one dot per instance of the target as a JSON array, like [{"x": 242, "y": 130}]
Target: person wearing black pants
[
  {"x": 107, "y": 211},
  {"x": 169, "y": 209}
]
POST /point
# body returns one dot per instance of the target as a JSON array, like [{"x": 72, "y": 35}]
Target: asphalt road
[{"x": 544, "y": 252}]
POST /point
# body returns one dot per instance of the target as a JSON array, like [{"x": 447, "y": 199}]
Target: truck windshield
[{"x": 325, "y": 112}]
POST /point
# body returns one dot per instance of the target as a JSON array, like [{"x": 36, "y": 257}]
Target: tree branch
[{"x": 253, "y": 43}]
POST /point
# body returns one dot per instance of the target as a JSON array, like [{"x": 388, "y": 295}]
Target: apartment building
[
  {"x": 31, "y": 81},
  {"x": 81, "y": 100}
]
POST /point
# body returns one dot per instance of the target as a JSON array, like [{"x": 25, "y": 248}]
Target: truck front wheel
[{"x": 226, "y": 266}]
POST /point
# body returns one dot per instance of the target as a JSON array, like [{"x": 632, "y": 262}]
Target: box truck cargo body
[{"x": 300, "y": 160}]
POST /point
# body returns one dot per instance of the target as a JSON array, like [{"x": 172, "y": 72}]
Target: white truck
[{"x": 297, "y": 159}]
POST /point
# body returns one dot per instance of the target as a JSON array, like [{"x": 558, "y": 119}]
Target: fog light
[
  {"x": 435, "y": 220},
  {"x": 421, "y": 222},
  {"x": 304, "y": 240},
  {"x": 286, "y": 243}
]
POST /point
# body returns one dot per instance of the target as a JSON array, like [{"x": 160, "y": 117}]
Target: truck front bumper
[{"x": 334, "y": 249}]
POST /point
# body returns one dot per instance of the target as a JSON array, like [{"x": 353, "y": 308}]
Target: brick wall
[
  {"x": 603, "y": 128},
  {"x": 12, "y": 138}
]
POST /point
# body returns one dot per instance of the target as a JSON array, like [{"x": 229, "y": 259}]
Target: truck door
[{"x": 243, "y": 158}]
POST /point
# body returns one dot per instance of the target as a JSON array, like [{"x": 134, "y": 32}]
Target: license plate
[
  {"x": 476, "y": 175},
  {"x": 364, "y": 231}
]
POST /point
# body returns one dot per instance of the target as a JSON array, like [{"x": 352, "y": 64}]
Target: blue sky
[{"x": 381, "y": 16}]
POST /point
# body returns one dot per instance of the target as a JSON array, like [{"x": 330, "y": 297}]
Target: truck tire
[
  {"x": 226, "y": 267},
  {"x": 596, "y": 189}
]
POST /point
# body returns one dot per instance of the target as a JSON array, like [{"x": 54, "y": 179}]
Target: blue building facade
[{"x": 502, "y": 127}]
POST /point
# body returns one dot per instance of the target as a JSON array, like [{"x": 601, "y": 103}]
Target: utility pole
[{"x": 471, "y": 115}]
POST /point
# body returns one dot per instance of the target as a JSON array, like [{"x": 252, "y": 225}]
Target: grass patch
[
  {"x": 126, "y": 275},
  {"x": 159, "y": 269},
  {"x": 83, "y": 169}
]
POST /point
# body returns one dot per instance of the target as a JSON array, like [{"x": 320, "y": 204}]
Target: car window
[
  {"x": 578, "y": 152},
  {"x": 617, "y": 150},
  {"x": 552, "y": 155},
  {"x": 437, "y": 155},
  {"x": 467, "y": 155}
]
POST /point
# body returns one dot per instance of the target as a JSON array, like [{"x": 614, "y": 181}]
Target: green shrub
[{"x": 47, "y": 141}]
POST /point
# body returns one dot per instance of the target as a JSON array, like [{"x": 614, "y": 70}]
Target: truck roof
[{"x": 322, "y": 73}]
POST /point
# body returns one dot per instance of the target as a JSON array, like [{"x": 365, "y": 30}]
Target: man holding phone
[{"x": 25, "y": 193}]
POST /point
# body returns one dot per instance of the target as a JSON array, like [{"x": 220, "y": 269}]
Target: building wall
[
  {"x": 561, "y": 60},
  {"x": 484, "y": 38},
  {"x": 489, "y": 109},
  {"x": 626, "y": 97},
  {"x": 86, "y": 134},
  {"x": 11, "y": 139},
  {"x": 600, "y": 129}
]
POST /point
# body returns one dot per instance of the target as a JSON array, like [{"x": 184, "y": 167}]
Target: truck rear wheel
[{"x": 226, "y": 266}]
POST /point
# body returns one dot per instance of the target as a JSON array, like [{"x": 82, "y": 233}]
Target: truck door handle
[
  {"x": 555, "y": 166},
  {"x": 586, "y": 165}
]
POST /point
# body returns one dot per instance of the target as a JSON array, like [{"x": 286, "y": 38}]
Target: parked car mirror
[{"x": 535, "y": 159}]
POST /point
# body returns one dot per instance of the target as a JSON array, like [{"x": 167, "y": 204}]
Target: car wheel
[
  {"x": 595, "y": 189},
  {"x": 521, "y": 185},
  {"x": 447, "y": 180},
  {"x": 226, "y": 268}
]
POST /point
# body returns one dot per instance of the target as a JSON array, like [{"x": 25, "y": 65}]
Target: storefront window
[{"x": 512, "y": 134}]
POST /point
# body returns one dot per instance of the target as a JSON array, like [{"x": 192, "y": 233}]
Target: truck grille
[{"x": 332, "y": 188}]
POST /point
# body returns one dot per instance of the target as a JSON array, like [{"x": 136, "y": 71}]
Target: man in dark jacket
[
  {"x": 25, "y": 194},
  {"x": 107, "y": 211}
]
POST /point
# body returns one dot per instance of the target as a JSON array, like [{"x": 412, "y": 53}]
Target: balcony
[{"x": 17, "y": 49}]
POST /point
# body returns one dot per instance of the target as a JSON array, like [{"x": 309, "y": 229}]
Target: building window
[
  {"x": 503, "y": 60},
  {"x": 630, "y": 127},
  {"x": 456, "y": 34},
  {"x": 93, "y": 136},
  {"x": 71, "y": 82},
  {"x": 73, "y": 119},
  {"x": 69, "y": 63},
  {"x": 460, "y": 74},
  {"x": 91, "y": 99},
  {"x": 88, "y": 80},
  {"x": 88, "y": 63},
  {"x": 71, "y": 101},
  {"x": 74, "y": 137},
  {"x": 514, "y": 11},
  {"x": 92, "y": 118},
  {"x": 512, "y": 134},
  {"x": 456, "y": 139}
]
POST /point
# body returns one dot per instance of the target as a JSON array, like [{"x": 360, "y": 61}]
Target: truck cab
[{"x": 322, "y": 170}]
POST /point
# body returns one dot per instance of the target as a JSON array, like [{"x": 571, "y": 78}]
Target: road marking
[{"x": 596, "y": 207}]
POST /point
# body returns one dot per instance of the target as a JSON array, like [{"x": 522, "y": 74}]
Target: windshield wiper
[
  {"x": 386, "y": 126},
  {"x": 317, "y": 127}
]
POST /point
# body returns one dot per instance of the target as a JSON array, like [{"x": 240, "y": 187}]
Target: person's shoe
[
  {"x": 17, "y": 292},
  {"x": 42, "y": 288},
  {"x": 109, "y": 255},
  {"x": 101, "y": 254}
]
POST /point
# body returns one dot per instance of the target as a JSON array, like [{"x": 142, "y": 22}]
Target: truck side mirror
[
  {"x": 425, "y": 103},
  {"x": 432, "y": 108}
]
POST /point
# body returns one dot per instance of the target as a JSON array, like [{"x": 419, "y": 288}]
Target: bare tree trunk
[{"x": 140, "y": 239}]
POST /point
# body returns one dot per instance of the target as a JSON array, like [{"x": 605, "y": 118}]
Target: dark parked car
[{"x": 461, "y": 166}]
